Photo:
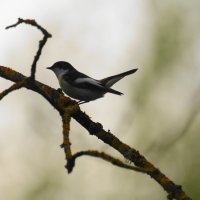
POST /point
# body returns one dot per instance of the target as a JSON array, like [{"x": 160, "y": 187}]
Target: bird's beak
[{"x": 49, "y": 68}]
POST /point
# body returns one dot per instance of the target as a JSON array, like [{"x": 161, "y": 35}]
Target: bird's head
[{"x": 61, "y": 67}]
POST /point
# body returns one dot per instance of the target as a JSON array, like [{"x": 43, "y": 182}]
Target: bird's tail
[
  {"x": 109, "y": 81},
  {"x": 114, "y": 91}
]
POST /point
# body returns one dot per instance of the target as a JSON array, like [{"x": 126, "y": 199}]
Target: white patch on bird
[
  {"x": 60, "y": 72},
  {"x": 88, "y": 80}
]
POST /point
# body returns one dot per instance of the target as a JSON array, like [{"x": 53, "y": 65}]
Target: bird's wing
[
  {"x": 92, "y": 84},
  {"x": 88, "y": 83},
  {"x": 109, "y": 81}
]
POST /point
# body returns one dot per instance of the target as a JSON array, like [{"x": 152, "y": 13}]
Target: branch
[
  {"x": 13, "y": 87},
  {"x": 60, "y": 102},
  {"x": 66, "y": 127},
  {"x": 55, "y": 98},
  {"x": 42, "y": 42},
  {"x": 71, "y": 162}
]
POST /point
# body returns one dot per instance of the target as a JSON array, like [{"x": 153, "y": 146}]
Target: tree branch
[
  {"x": 13, "y": 87},
  {"x": 60, "y": 102},
  {"x": 66, "y": 127},
  {"x": 71, "y": 162},
  {"x": 42, "y": 42}
]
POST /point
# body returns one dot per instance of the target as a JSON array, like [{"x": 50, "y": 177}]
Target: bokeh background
[{"x": 158, "y": 115}]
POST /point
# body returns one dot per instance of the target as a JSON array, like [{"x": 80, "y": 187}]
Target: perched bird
[{"x": 82, "y": 87}]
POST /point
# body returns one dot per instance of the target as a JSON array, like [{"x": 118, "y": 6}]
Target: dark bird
[{"x": 82, "y": 87}]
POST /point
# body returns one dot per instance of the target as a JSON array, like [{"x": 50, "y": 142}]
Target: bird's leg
[{"x": 60, "y": 91}]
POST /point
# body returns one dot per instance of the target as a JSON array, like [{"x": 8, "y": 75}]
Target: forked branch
[{"x": 42, "y": 42}]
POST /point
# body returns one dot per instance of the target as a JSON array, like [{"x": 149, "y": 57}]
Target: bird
[{"x": 81, "y": 87}]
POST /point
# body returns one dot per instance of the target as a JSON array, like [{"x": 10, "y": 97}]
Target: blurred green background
[{"x": 158, "y": 115}]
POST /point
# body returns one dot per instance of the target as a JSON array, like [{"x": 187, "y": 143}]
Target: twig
[
  {"x": 71, "y": 162},
  {"x": 13, "y": 87},
  {"x": 42, "y": 42},
  {"x": 66, "y": 142}
]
